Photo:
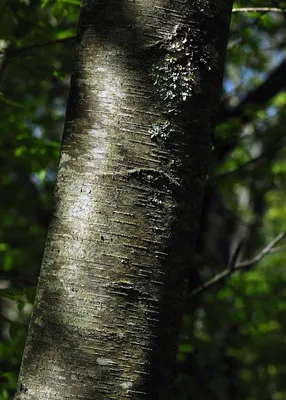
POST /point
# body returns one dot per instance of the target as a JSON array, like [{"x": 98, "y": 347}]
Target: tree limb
[
  {"x": 259, "y": 9},
  {"x": 275, "y": 82},
  {"x": 245, "y": 110},
  {"x": 12, "y": 51},
  {"x": 246, "y": 164},
  {"x": 15, "y": 323},
  {"x": 239, "y": 266},
  {"x": 267, "y": 249}
]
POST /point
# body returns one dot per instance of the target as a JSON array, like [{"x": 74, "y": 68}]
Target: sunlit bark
[{"x": 136, "y": 144}]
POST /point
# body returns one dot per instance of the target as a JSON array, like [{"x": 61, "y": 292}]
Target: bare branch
[
  {"x": 246, "y": 164},
  {"x": 15, "y": 323},
  {"x": 263, "y": 253},
  {"x": 277, "y": 249},
  {"x": 12, "y": 51},
  {"x": 19, "y": 280},
  {"x": 216, "y": 279},
  {"x": 254, "y": 100},
  {"x": 259, "y": 9},
  {"x": 275, "y": 82},
  {"x": 238, "y": 267},
  {"x": 233, "y": 259}
]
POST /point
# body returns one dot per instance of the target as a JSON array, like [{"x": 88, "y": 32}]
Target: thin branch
[
  {"x": 245, "y": 165},
  {"x": 275, "y": 82},
  {"x": 213, "y": 281},
  {"x": 11, "y": 51},
  {"x": 15, "y": 323},
  {"x": 262, "y": 254},
  {"x": 259, "y": 9},
  {"x": 19, "y": 280},
  {"x": 238, "y": 267},
  {"x": 235, "y": 255},
  {"x": 277, "y": 249},
  {"x": 258, "y": 97}
]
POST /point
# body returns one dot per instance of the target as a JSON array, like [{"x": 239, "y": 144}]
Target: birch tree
[{"x": 135, "y": 150}]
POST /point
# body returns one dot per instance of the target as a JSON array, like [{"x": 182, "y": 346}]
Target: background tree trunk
[{"x": 136, "y": 144}]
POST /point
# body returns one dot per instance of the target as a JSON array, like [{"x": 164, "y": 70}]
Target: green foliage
[
  {"x": 232, "y": 339},
  {"x": 34, "y": 78}
]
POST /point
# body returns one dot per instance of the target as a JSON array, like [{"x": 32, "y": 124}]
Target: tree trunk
[{"x": 135, "y": 149}]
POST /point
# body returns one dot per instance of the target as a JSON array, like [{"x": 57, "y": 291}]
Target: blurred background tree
[{"x": 232, "y": 343}]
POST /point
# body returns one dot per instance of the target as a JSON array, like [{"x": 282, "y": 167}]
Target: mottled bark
[{"x": 143, "y": 97}]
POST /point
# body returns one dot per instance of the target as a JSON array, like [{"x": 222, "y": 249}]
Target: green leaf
[{"x": 45, "y": 3}]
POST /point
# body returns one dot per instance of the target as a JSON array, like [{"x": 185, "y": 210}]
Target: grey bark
[{"x": 136, "y": 143}]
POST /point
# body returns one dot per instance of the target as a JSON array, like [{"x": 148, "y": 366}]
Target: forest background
[{"x": 233, "y": 335}]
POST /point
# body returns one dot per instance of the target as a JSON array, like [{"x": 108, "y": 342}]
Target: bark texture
[{"x": 136, "y": 143}]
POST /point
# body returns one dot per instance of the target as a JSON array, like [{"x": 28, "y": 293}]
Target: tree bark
[{"x": 136, "y": 143}]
